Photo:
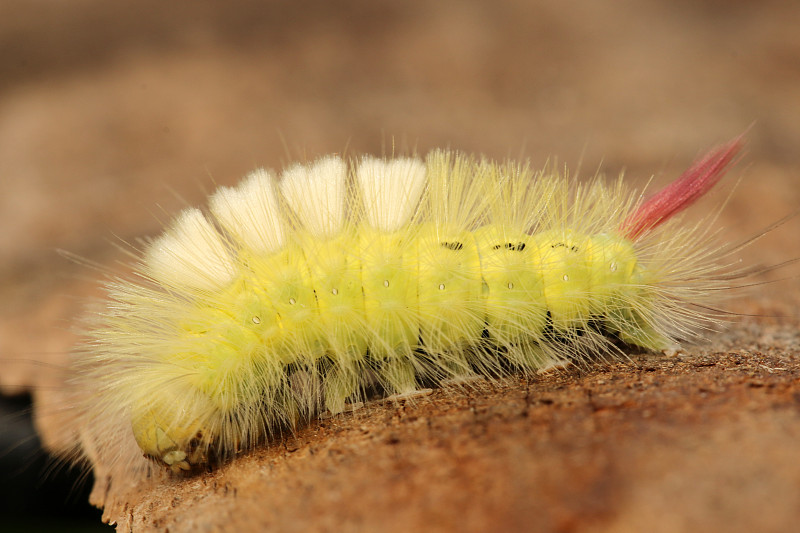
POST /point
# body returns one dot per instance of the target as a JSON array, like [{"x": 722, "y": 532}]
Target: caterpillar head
[
  {"x": 163, "y": 437},
  {"x": 190, "y": 399}
]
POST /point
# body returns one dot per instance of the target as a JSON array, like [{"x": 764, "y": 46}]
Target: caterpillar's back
[{"x": 296, "y": 295}]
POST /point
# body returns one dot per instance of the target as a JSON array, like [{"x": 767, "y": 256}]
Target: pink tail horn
[{"x": 697, "y": 180}]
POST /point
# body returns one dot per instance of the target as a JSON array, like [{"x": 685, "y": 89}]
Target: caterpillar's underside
[{"x": 297, "y": 295}]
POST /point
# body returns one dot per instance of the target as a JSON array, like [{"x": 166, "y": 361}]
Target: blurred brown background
[{"x": 114, "y": 115}]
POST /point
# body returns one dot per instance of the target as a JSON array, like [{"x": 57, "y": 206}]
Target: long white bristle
[
  {"x": 316, "y": 193},
  {"x": 250, "y": 212},
  {"x": 391, "y": 190},
  {"x": 190, "y": 254}
]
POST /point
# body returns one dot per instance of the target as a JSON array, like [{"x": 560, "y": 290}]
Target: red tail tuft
[{"x": 683, "y": 192}]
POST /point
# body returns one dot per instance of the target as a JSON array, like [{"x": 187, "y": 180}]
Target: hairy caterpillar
[{"x": 296, "y": 295}]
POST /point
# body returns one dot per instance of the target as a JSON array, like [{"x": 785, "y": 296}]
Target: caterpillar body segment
[{"x": 300, "y": 294}]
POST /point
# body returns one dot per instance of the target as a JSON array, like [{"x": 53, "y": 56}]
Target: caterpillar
[{"x": 298, "y": 294}]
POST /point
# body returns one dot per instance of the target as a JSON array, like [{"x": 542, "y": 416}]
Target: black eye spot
[
  {"x": 453, "y": 245},
  {"x": 518, "y": 247},
  {"x": 561, "y": 244}
]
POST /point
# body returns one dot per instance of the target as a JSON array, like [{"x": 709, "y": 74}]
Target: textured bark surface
[
  {"x": 690, "y": 443},
  {"x": 113, "y": 117}
]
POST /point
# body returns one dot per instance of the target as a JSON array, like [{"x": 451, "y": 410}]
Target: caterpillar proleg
[{"x": 296, "y": 294}]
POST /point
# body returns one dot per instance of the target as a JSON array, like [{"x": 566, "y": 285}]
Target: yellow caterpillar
[{"x": 340, "y": 279}]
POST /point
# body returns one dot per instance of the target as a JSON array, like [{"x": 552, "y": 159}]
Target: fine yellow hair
[{"x": 339, "y": 281}]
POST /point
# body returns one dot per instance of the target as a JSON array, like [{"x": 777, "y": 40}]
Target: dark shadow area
[{"x": 37, "y": 492}]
